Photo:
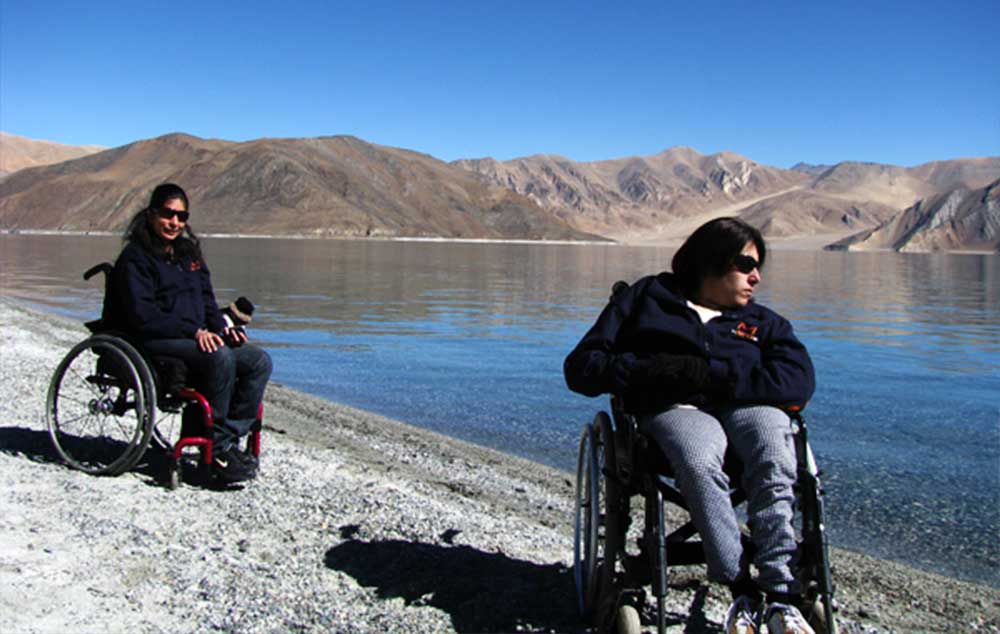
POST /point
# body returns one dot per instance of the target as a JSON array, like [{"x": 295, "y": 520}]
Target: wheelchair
[
  {"x": 617, "y": 463},
  {"x": 108, "y": 403}
]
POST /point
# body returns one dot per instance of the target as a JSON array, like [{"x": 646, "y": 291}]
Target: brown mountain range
[
  {"x": 331, "y": 186},
  {"x": 959, "y": 220},
  {"x": 18, "y": 152},
  {"x": 662, "y": 198},
  {"x": 343, "y": 186}
]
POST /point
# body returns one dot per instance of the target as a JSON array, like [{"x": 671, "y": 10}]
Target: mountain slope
[
  {"x": 958, "y": 220},
  {"x": 332, "y": 186},
  {"x": 18, "y": 152},
  {"x": 660, "y": 199},
  {"x": 634, "y": 195}
]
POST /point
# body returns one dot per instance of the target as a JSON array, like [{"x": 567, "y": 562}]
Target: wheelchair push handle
[{"x": 103, "y": 267}]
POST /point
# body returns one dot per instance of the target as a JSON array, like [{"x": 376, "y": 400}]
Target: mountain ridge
[
  {"x": 341, "y": 185},
  {"x": 20, "y": 152},
  {"x": 325, "y": 186}
]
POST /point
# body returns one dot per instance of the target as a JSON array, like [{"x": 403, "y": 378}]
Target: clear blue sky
[{"x": 779, "y": 82}]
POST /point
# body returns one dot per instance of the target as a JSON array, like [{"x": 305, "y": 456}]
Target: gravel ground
[{"x": 357, "y": 523}]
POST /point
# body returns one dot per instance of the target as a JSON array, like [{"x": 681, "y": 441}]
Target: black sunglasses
[
  {"x": 744, "y": 264},
  {"x": 165, "y": 213}
]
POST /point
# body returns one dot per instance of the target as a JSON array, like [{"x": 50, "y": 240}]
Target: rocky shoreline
[{"x": 356, "y": 524}]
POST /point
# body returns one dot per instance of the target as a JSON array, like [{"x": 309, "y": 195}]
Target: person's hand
[
  {"x": 676, "y": 372},
  {"x": 683, "y": 369},
  {"x": 623, "y": 371},
  {"x": 235, "y": 336},
  {"x": 208, "y": 341}
]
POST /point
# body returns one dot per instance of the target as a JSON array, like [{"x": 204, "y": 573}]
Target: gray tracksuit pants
[{"x": 695, "y": 444}]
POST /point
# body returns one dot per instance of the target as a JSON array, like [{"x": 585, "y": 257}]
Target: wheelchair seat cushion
[{"x": 171, "y": 374}]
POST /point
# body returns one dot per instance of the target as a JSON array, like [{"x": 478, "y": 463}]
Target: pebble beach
[{"x": 357, "y": 523}]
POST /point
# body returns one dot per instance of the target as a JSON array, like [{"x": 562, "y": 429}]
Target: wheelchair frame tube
[{"x": 204, "y": 443}]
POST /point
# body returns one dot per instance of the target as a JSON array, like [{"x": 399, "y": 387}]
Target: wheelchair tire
[
  {"x": 591, "y": 567},
  {"x": 101, "y": 405}
]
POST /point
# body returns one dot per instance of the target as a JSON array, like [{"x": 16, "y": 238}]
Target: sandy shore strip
[{"x": 356, "y": 524}]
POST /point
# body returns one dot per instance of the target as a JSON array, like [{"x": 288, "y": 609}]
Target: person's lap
[
  {"x": 232, "y": 379},
  {"x": 695, "y": 442}
]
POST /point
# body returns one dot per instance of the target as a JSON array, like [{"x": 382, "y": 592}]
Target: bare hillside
[
  {"x": 636, "y": 195},
  {"x": 344, "y": 186},
  {"x": 18, "y": 152},
  {"x": 331, "y": 186},
  {"x": 660, "y": 199},
  {"x": 959, "y": 220}
]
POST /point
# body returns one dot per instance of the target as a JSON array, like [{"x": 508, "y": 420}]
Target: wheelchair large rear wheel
[
  {"x": 592, "y": 567},
  {"x": 101, "y": 406}
]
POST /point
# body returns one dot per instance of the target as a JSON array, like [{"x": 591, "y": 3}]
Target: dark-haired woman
[
  {"x": 704, "y": 367},
  {"x": 163, "y": 297}
]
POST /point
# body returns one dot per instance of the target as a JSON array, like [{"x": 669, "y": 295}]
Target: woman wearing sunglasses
[
  {"x": 704, "y": 367},
  {"x": 162, "y": 296}
]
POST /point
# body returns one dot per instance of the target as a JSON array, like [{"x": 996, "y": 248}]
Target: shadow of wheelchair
[
  {"x": 36, "y": 446},
  {"x": 481, "y": 591},
  {"x": 32, "y": 444}
]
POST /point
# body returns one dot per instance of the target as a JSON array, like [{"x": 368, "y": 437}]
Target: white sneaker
[
  {"x": 741, "y": 618},
  {"x": 786, "y": 619}
]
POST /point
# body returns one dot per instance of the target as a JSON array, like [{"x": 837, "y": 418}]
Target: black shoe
[
  {"x": 247, "y": 457},
  {"x": 228, "y": 466},
  {"x": 250, "y": 459}
]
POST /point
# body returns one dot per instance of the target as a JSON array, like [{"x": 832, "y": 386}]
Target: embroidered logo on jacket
[
  {"x": 745, "y": 332},
  {"x": 195, "y": 266}
]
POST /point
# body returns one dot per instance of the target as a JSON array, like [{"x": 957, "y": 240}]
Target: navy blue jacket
[
  {"x": 752, "y": 353},
  {"x": 153, "y": 298}
]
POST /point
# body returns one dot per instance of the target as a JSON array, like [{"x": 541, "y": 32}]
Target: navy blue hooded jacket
[
  {"x": 753, "y": 356},
  {"x": 154, "y": 298}
]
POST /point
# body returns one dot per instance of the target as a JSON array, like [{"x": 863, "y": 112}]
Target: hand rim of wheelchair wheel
[{"x": 590, "y": 545}]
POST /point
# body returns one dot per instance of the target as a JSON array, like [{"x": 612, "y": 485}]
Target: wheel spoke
[
  {"x": 83, "y": 381},
  {"x": 65, "y": 423}
]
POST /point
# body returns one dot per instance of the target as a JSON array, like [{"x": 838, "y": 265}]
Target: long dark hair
[
  {"x": 185, "y": 247},
  {"x": 710, "y": 251}
]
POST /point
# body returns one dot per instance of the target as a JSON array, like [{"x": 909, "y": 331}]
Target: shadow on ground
[
  {"x": 486, "y": 592},
  {"x": 481, "y": 591},
  {"x": 37, "y": 446}
]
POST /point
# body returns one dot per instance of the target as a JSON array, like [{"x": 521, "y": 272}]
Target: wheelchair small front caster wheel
[
  {"x": 627, "y": 620},
  {"x": 174, "y": 477},
  {"x": 817, "y": 618}
]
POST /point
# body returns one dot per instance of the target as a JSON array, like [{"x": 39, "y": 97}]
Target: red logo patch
[{"x": 746, "y": 332}]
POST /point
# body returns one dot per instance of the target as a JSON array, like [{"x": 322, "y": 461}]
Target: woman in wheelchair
[
  {"x": 163, "y": 298},
  {"x": 705, "y": 368}
]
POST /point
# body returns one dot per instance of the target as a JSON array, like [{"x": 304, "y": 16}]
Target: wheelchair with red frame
[
  {"x": 109, "y": 402},
  {"x": 617, "y": 463}
]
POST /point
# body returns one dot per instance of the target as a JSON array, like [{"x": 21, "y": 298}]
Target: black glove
[
  {"x": 680, "y": 373},
  {"x": 624, "y": 369},
  {"x": 688, "y": 372}
]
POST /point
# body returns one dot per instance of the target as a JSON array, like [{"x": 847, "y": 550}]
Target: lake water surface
[{"x": 468, "y": 339}]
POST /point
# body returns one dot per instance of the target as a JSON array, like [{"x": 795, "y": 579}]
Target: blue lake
[{"x": 468, "y": 339}]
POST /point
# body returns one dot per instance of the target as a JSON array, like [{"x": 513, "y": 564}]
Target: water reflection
[{"x": 468, "y": 339}]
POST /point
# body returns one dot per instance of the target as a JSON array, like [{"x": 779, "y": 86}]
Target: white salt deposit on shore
[{"x": 356, "y": 524}]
